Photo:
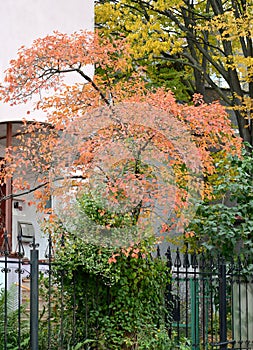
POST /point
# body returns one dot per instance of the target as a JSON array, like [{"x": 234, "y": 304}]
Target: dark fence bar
[
  {"x": 223, "y": 305},
  {"x": 34, "y": 299}
]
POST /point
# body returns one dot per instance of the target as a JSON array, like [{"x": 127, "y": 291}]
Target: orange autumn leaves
[
  {"x": 77, "y": 139},
  {"x": 42, "y": 66},
  {"x": 132, "y": 251}
]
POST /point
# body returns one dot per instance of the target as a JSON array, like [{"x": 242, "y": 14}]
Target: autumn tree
[
  {"x": 212, "y": 39},
  {"x": 124, "y": 165},
  {"x": 136, "y": 150}
]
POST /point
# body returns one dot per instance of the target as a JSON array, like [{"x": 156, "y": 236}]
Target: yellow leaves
[
  {"x": 228, "y": 26},
  {"x": 107, "y": 12},
  {"x": 231, "y": 33},
  {"x": 245, "y": 106},
  {"x": 147, "y": 39},
  {"x": 177, "y": 46},
  {"x": 144, "y": 33},
  {"x": 163, "y": 5}
]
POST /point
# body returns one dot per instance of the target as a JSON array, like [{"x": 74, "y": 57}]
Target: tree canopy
[
  {"x": 137, "y": 149},
  {"x": 209, "y": 41}
]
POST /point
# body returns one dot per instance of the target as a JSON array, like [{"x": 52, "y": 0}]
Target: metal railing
[
  {"x": 212, "y": 301},
  {"x": 209, "y": 302}
]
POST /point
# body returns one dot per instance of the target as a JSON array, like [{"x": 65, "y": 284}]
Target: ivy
[
  {"x": 118, "y": 294},
  {"x": 123, "y": 302}
]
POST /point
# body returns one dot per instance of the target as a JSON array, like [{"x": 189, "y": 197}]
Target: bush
[
  {"x": 114, "y": 298},
  {"x": 9, "y": 330},
  {"x": 118, "y": 295},
  {"x": 225, "y": 226}
]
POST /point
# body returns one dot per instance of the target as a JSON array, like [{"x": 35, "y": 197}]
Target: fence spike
[
  {"x": 19, "y": 251},
  {"x": 5, "y": 249},
  {"x": 202, "y": 262},
  {"x": 177, "y": 262},
  {"x": 169, "y": 258},
  {"x": 49, "y": 253},
  {"x": 186, "y": 262},
  {"x": 63, "y": 240},
  {"x": 194, "y": 261},
  {"x": 158, "y": 252}
]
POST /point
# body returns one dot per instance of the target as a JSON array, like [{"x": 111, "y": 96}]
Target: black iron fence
[
  {"x": 212, "y": 301},
  {"x": 209, "y": 302}
]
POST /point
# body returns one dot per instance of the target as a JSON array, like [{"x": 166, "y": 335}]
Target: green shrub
[
  {"x": 118, "y": 295},
  {"x": 114, "y": 298},
  {"x": 10, "y": 330}
]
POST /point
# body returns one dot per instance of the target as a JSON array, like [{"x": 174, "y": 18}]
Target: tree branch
[{"x": 20, "y": 194}]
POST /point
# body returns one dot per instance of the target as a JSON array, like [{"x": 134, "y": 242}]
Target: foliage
[
  {"x": 10, "y": 330},
  {"x": 225, "y": 225},
  {"x": 118, "y": 302},
  {"x": 124, "y": 20},
  {"x": 209, "y": 40},
  {"x": 140, "y": 145},
  {"x": 117, "y": 295}
]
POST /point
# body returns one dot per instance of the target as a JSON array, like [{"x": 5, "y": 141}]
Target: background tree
[{"x": 212, "y": 39}]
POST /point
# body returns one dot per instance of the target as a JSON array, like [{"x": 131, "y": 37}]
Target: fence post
[
  {"x": 223, "y": 305},
  {"x": 34, "y": 297}
]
